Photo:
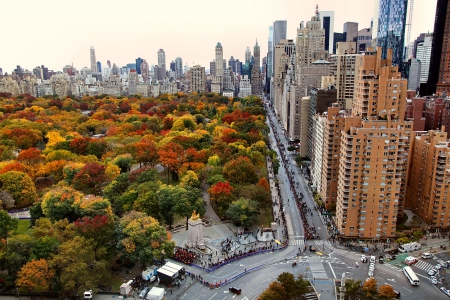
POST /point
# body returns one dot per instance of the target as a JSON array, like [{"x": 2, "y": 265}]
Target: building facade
[
  {"x": 93, "y": 60},
  {"x": 256, "y": 71},
  {"x": 198, "y": 79}
]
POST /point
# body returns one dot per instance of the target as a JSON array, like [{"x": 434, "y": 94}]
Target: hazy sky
[{"x": 58, "y": 32}]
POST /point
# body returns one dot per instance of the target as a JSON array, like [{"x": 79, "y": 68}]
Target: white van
[{"x": 373, "y": 259}]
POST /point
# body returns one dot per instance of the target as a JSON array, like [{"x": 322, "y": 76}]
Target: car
[
  {"x": 427, "y": 255},
  {"x": 433, "y": 280},
  {"x": 312, "y": 248},
  {"x": 235, "y": 290},
  {"x": 144, "y": 292},
  {"x": 445, "y": 291},
  {"x": 88, "y": 294},
  {"x": 363, "y": 258},
  {"x": 397, "y": 294},
  {"x": 432, "y": 272},
  {"x": 372, "y": 259},
  {"x": 438, "y": 266},
  {"x": 381, "y": 259}
]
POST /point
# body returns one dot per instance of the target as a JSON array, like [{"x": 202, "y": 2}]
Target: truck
[
  {"x": 125, "y": 288},
  {"x": 150, "y": 274},
  {"x": 409, "y": 247},
  {"x": 155, "y": 293}
]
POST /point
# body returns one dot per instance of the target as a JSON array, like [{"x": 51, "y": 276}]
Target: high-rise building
[
  {"x": 364, "y": 39},
  {"x": 350, "y": 31},
  {"x": 343, "y": 67},
  {"x": 441, "y": 34},
  {"x": 172, "y": 66},
  {"x": 93, "y": 60},
  {"x": 198, "y": 83},
  {"x": 327, "y": 21},
  {"x": 256, "y": 71},
  {"x": 337, "y": 37},
  {"x": 212, "y": 67},
  {"x": 310, "y": 44},
  {"x": 427, "y": 193},
  {"x": 219, "y": 64},
  {"x": 414, "y": 74},
  {"x": 283, "y": 51},
  {"x": 269, "y": 57},
  {"x": 144, "y": 70},
  {"x": 232, "y": 64},
  {"x": 108, "y": 63},
  {"x": 374, "y": 156},
  {"x": 138, "y": 65},
  {"x": 389, "y": 28},
  {"x": 423, "y": 54},
  {"x": 379, "y": 89},
  {"x": 279, "y": 31},
  {"x": 443, "y": 84},
  {"x": 162, "y": 59},
  {"x": 99, "y": 67},
  {"x": 248, "y": 55},
  {"x": 179, "y": 67}
]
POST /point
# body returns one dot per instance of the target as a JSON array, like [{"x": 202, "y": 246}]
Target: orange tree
[
  {"x": 35, "y": 276},
  {"x": 171, "y": 156},
  {"x": 222, "y": 194},
  {"x": 240, "y": 171}
]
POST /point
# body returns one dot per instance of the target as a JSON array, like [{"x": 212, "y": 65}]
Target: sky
[{"x": 56, "y": 33}]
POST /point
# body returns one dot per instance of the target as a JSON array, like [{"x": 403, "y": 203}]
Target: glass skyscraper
[{"x": 390, "y": 16}]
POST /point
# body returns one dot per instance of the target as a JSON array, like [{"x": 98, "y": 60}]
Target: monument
[{"x": 195, "y": 232}]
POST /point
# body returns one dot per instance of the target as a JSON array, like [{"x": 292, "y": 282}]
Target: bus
[{"x": 412, "y": 277}]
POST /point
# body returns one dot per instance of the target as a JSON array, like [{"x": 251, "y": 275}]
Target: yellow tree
[{"x": 35, "y": 276}]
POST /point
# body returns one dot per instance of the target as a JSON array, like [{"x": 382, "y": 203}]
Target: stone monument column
[{"x": 195, "y": 232}]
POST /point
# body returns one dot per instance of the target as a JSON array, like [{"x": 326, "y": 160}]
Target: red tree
[{"x": 91, "y": 179}]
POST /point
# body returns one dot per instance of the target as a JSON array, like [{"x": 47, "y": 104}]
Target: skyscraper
[
  {"x": 270, "y": 54},
  {"x": 138, "y": 65},
  {"x": 93, "y": 60},
  {"x": 144, "y": 70},
  {"x": 248, "y": 55},
  {"x": 178, "y": 67},
  {"x": 327, "y": 21},
  {"x": 350, "y": 31},
  {"x": 198, "y": 83},
  {"x": 162, "y": 59},
  {"x": 279, "y": 31},
  {"x": 256, "y": 72},
  {"x": 99, "y": 67},
  {"x": 443, "y": 82},
  {"x": 423, "y": 54},
  {"x": 389, "y": 28},
  {"x": 219, "y": 64},
  {"x": 440, "y": 34}
]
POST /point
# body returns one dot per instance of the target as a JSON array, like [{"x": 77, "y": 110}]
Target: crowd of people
[
  {"x": 185, "y": 256},
  {"x": 310, "y": 229}
]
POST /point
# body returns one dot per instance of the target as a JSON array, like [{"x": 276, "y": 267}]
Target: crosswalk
[
  {"x": 423, "y": 265},
  {"x": 302, "y": 242}
]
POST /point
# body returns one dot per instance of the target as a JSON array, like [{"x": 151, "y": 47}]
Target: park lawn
[
  {"x": 265, "y": 218},
  {"x": 23, "y": 227}
]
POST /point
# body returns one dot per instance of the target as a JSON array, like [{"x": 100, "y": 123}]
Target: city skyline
[{"x": 59, "y": 42}]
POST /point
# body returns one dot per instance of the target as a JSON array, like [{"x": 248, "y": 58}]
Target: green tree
[
  {"x": 77, "y": 268},
  {"x": 240, "y": 171},
  {"x": 45, "y": 247},
  {"x": 256, "y": 193},
  {"x": 287, "y": 281},
  {"x": 417, "y": 235},
  {"x": 142, "y": 238},
  {"x": 148, "y": 203},
  {"x": 20, "y": 186},
  {"x": 243, "y": 212},
  {"x": 17, "y": 253},
  {"x": 7, "y": 224},
  {"x": 402, "y": 240},
  {"x": 275, "y": 165},
  {"x": 192, "y": 199},
  {"x": 353, "y": 289}
]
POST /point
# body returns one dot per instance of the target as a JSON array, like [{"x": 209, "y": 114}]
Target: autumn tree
[
  {"x": 275, "y": 291},
  {"x": 20, "y": 186},
  {"x": 148, "y": 203},
  {"x": 369, "y": 289},
  {"x": 240, "y": 171},
  {"x": 243, "y": 212},
  {"x": 17, "y": 253},
  {"x": 45, "y": 247},
  {"x": 146, "y": 152},
  {"x": 142, "y": 238},
  {"x": 386, "y": 292},
  {"x": 222, "y": 194},
  {"x": 286, "y": 287},
  {"x": 353, "y": 289},
  {"x": 91, "y": 179},
  {"x": 256, "y": 193},
  {"x": 171, "y": 156},
  {"x": 35, "y": 276}
]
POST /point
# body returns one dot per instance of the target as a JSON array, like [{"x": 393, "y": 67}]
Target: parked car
[
  {"x": 433, "y": 280},
  {"x": 144, "y": 292},
  {"x": 445, "y": 291},
  {"x": 427, "y": 255},
  {"x": 235, "y": 290},
  {"x": 438, "y": 266},
  {"x": 432, "y": 272},
  {"x": 88, "y": 294}
]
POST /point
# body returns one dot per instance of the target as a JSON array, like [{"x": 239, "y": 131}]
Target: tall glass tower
[{"x": 390, "y": 16}]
